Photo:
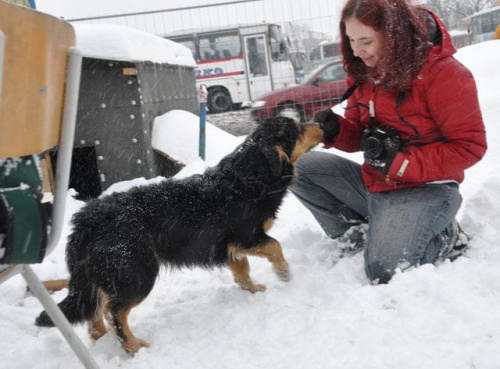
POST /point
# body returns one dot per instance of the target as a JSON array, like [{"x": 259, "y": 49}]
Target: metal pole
[
  {"x": 65, "y": 151},
  {"x": 203, "y": 118}
]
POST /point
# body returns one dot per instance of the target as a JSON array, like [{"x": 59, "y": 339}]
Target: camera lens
[{"x": 373, "y": 148}]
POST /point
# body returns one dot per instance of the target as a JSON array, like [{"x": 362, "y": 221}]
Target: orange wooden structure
[{"x": 32, "y": 86}]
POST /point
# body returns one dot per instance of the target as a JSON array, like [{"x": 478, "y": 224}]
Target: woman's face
[{"x": 366, "y": 42}]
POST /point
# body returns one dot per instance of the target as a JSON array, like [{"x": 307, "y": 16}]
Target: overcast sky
[{"x": 319, "y": 15}]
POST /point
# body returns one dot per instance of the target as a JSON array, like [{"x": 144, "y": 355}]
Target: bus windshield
[{"x": 189, "y": 43}]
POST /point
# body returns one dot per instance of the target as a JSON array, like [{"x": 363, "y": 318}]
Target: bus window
[
  {"x": 488, "y": 25},
  {"x": 331, "y": 50},
  {"x": 278, "y": 46},
  {"x": 475, "y": 25},
  {"x": 325, "y": 52},
  {"x": 316, "y": 53},
  {"x": 256, "y": 47},
  {"x": 189, "y": 43},
  {"x": 219, "y": 45}
]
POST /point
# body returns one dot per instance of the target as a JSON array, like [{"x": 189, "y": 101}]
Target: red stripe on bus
[
  {"x": 219, "y": 60},
  {"x": 222, "y": 75}
]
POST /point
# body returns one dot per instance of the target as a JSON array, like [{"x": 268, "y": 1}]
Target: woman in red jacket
[{"x": 414, "y": 112}]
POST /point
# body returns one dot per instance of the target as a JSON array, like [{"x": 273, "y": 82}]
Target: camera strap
[
  {"x": 347, "y": 94},
  {"x": 399, "y": 101},
  {"x": 351, "y": 90}
]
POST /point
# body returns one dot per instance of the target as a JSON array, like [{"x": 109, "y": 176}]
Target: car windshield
[
  {"x": 331, "y": 72},
  {"x": 313, "y": 74}
]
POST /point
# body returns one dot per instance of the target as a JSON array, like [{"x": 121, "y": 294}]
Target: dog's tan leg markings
[
  {"x": 241, "y": 273},
  {"x": 96, "y": 326},
  {"x": 268, "y": 224},
  {"x": 56, "y": 284},
  {"x": 117, "y": 317},
  {"x": 312, "y": 135},
  {"x": 271, "y": 250}
]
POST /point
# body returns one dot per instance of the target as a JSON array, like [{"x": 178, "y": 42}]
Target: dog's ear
[{"x": 276, "y": 158}]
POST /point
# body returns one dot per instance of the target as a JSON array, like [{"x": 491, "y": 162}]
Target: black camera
[{"x": 372, "y": 142}]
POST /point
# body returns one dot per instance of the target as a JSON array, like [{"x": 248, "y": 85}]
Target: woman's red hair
[{"x": 406, "y": 41}]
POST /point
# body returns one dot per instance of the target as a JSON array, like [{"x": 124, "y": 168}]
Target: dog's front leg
[
  {"x": 271, "y": 250},
  {"x": 241, "y": 273}
]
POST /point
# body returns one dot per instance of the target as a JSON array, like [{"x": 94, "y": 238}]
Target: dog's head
[{"x": 287, "y": 138}]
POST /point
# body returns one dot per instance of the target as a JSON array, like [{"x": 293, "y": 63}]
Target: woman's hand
[{"x": 329, "y": 123}]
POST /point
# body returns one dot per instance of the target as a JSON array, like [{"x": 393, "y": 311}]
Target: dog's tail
[
  {"x": 82, "y": 301},
  {"x": 79, "y": 306}
]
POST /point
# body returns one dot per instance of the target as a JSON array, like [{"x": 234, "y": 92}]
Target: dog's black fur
[{"x": 217, "y": 218}]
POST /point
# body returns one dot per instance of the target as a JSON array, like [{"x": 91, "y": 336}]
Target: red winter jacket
[{"x": 442, "y": 104}]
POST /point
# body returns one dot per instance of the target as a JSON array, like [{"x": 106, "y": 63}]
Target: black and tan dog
[{"x": 214, "y": 219}]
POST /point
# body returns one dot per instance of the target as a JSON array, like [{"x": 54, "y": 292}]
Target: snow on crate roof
[{"x": 114, "y": 42}]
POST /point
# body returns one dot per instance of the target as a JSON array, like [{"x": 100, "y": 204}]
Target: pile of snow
[
  {"x": 483, "y": 60},
  {"x": 114, "y": 42},
  {"x": 329, "y": 316},
  {"x": 177, "y": 133}
]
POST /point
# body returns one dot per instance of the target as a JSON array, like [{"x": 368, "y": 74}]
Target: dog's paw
[
  {"x": 96, "y": 330},
  {"x": 253, "y": 287},
  {"x": 257, "y": 288},
  {"x": 133, "y": 345},
  {"x": 284, "y": 275},
  {"x": 283, "y": 272}
]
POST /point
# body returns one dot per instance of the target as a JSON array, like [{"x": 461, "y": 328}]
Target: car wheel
[
  {"x": 291, "y": 110},
  {"x": 219, "y": 101}
]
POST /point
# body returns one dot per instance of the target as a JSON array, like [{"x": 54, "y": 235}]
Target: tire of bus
[
  {"x": 219, "y": 101},
  {"x": 295, "y": 108}
]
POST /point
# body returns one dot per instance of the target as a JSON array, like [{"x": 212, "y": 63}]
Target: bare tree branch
[{"x": 454, "y": 11}]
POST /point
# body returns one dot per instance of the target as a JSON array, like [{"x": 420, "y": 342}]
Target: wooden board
[{"x": 34, "y": 71}]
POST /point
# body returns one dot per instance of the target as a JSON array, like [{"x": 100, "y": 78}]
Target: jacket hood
[{"x": 444, "y": 47}]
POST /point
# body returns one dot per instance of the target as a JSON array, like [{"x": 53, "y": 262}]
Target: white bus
[
  {"x": 482, "y": 24},
  {"x": 238, "y": 64},
  {"x": 325, "y": 52}
]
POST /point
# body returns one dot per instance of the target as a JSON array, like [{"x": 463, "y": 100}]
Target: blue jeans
[{"x": 404, "y": 225}]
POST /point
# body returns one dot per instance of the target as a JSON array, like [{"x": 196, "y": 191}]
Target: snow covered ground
[{"x": 329, "y": 315}]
